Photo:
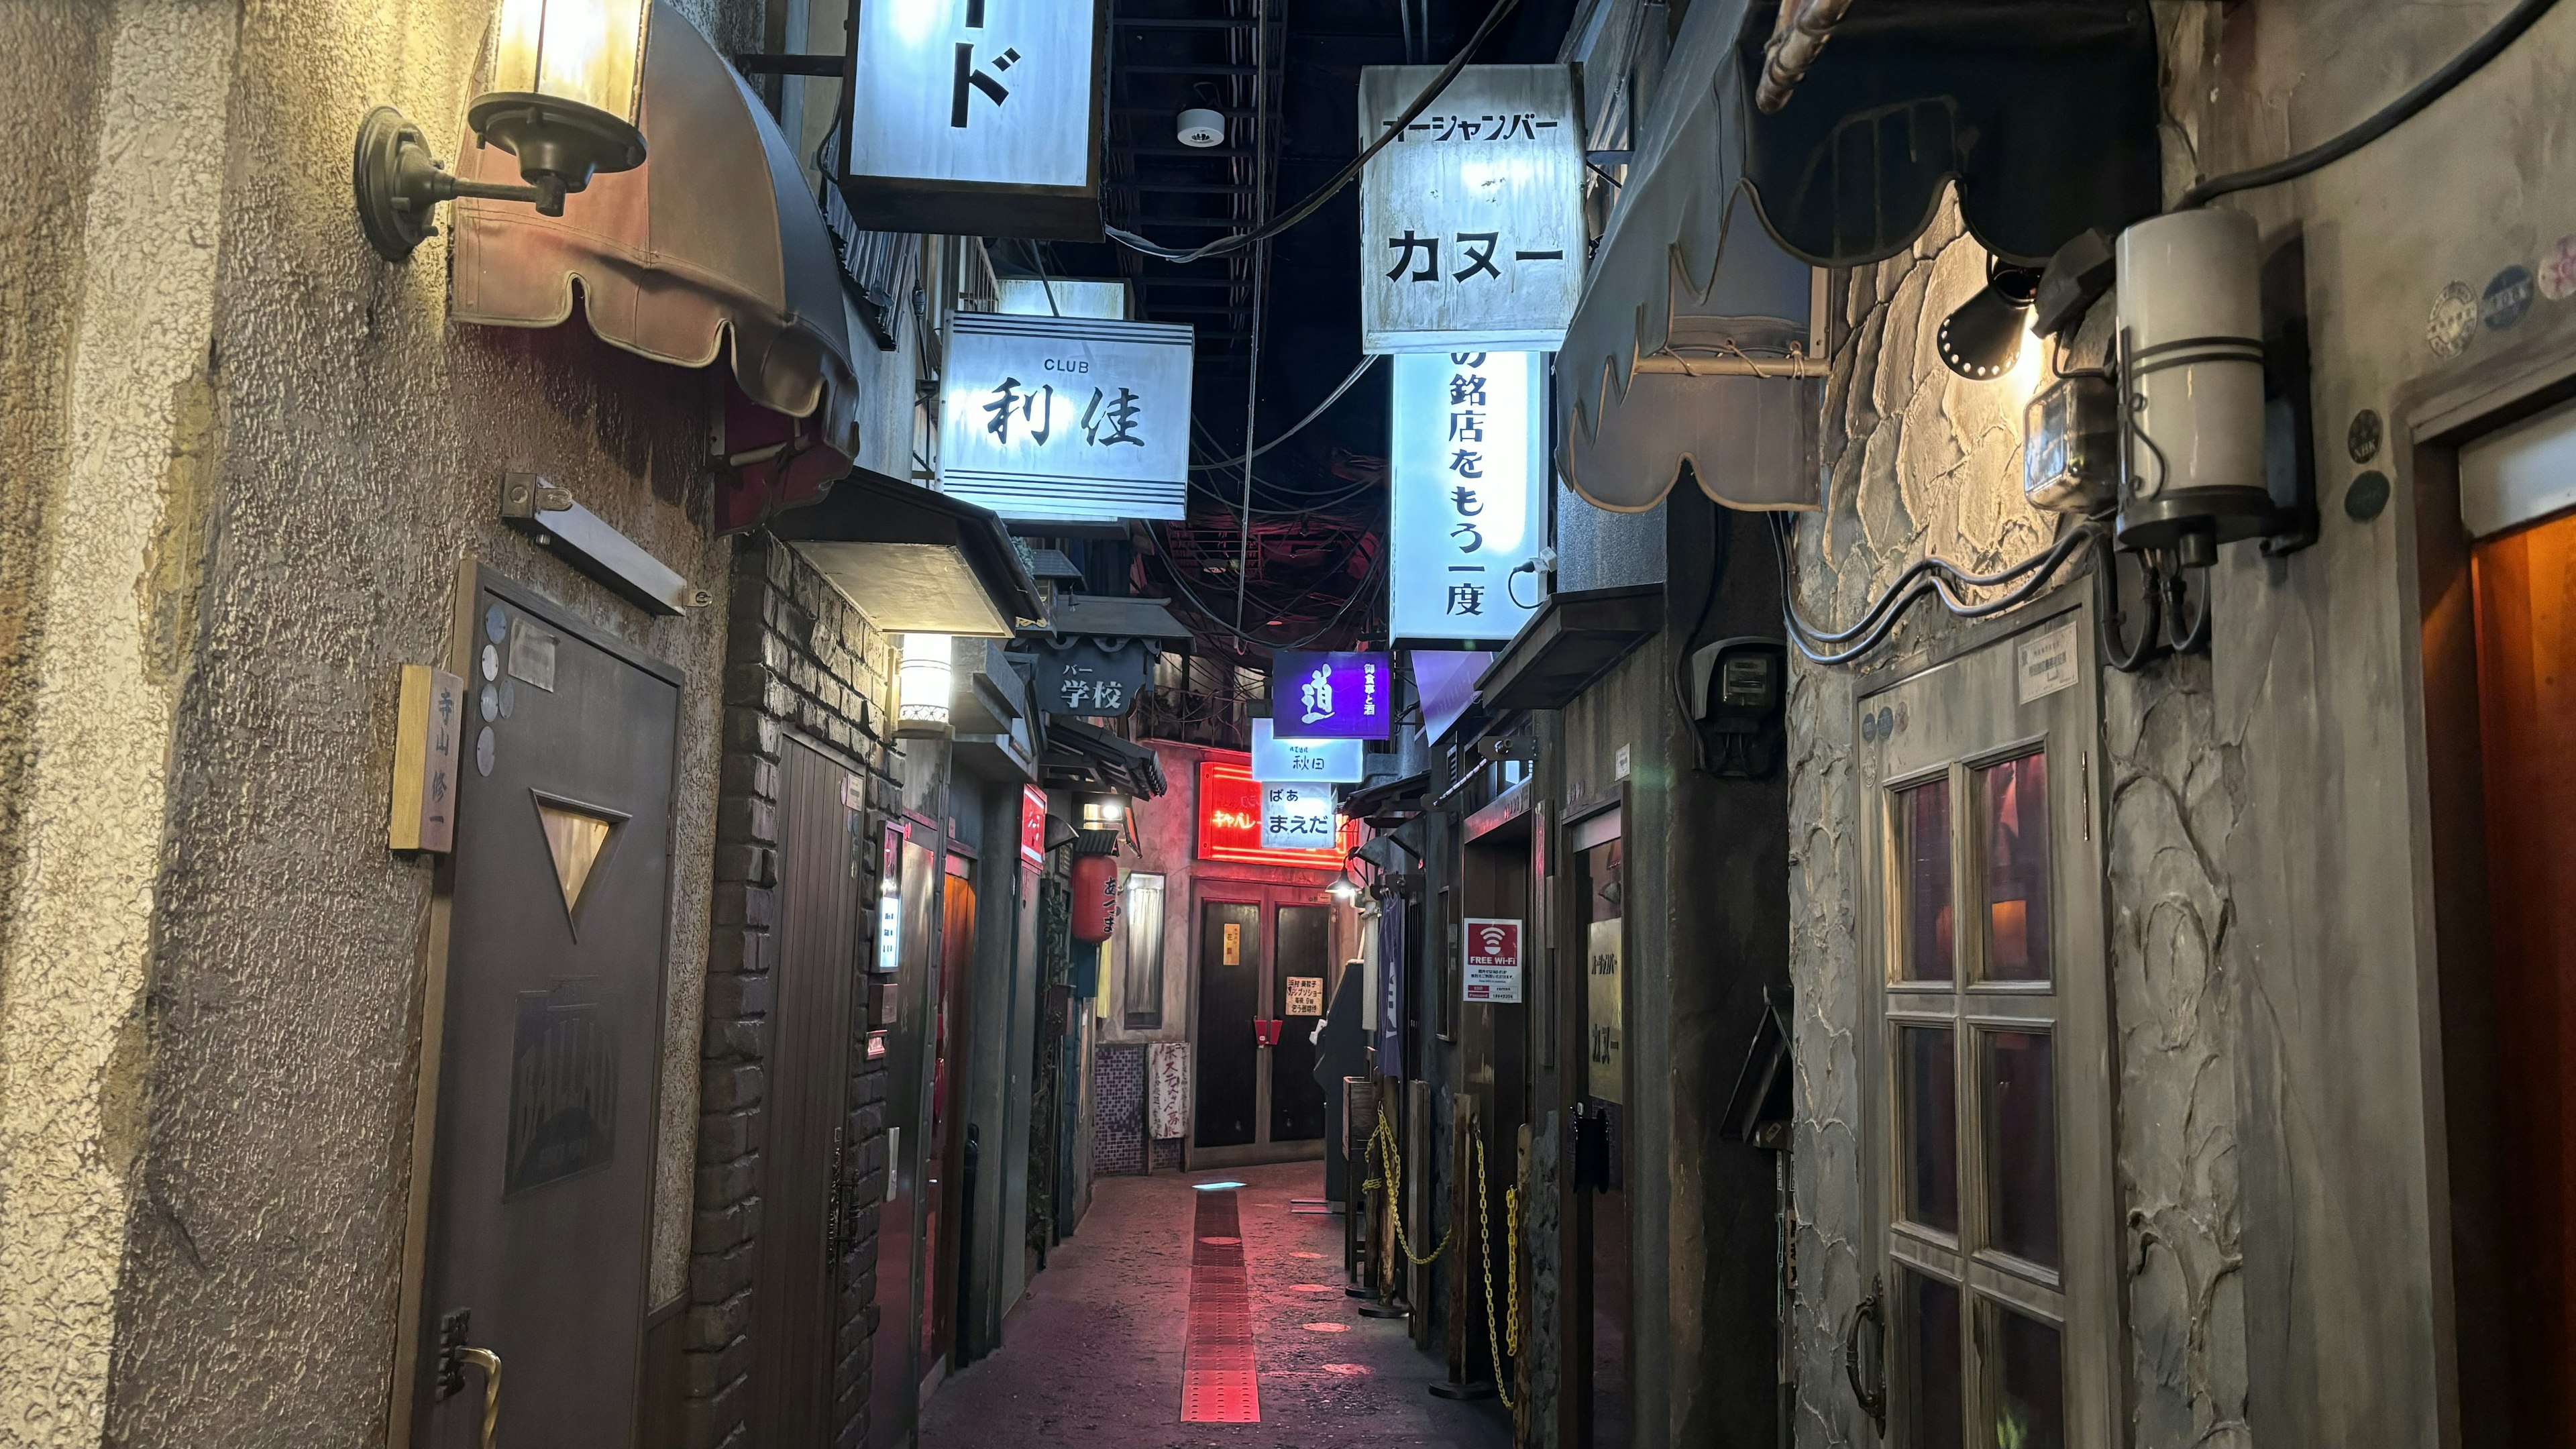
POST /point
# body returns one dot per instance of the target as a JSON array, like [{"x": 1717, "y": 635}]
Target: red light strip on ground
[{"x": 1218, "y": 1382}]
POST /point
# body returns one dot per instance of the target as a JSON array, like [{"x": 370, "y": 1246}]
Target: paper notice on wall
[
  {"x": 1305, "y": 996},
  {"x": 1167, "y": 1089},
  {"x": 2046, "y": 662}
]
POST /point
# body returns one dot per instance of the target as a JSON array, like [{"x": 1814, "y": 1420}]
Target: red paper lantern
[{"x": 1095, "y": 896}]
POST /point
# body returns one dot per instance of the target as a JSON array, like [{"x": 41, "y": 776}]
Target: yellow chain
[
  {"x": 1391, "y": 1177},
  {"x": 1512, "y": 1270}
]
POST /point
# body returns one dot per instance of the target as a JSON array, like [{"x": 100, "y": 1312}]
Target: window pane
[
  {"x": 1923, "y": 823},
  {"x": 1927, "y": 1115},
  {"x": 1928, "y": 1404},
  {"x": 2012, "y": 829},
  {"x": 2029, "y": 1379},
  {"x": 2017, "y": 1083},
  {"x": 1144, "y": 986}
]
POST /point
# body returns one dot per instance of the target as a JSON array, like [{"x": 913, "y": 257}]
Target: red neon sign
[{"x": 1230, "y": 821}]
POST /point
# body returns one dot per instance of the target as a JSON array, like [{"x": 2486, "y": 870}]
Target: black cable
[
  {"x": 2116, "y": 651},
  {"x": 2042, "y": 567},
  {"x": 1320, "y": 408},
  {"x": 1315, "y": 200},
  {"x": 1875, "y": 614},
  {"x": 1721, "y": 541},
  {"x": 2386, "y": 119}
]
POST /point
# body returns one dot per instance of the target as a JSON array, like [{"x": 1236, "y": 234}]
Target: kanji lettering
[
  {"x": 1120, "y": 415},
  {"x": 1008, "y": 398},
  {"x": 1466, "y": 599}
]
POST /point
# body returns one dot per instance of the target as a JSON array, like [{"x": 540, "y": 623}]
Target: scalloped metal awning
[
  {"x": 710, "y": 250},
  {"x": 1695, "y": 342}
]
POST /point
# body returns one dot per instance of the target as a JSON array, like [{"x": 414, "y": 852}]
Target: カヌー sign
[{"x": 1493, "y": 965}]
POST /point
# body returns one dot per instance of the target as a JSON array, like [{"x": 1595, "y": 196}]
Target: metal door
[
  {"x": 1229, "y": 1062},
  {"x": 1262, "y": 950},
  {"x": 540, "y": 1198},
  {"x": 944, "y": 1227},
  {"x": 1300, "y": 985},
  {"x": 1605, "y": 1266},
  {"x": 805, "y": 1175}
]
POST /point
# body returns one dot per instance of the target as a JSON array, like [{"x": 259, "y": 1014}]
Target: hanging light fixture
[
  {"x": 567, "y": 80},
  {"x": 1982, "y": 340},
  {"x": 923, "y": 682}
]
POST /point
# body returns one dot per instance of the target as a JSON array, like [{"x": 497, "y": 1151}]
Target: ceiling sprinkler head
[{"x": 1202, "y": 128}]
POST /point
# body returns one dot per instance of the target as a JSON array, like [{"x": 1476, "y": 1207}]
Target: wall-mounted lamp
[
  {"x": 567, "y": 88},
  {"x": 1344, "y": 889},
  {"x": 923, "y": 682},
  {"x": 1982, "y": 340},
  {"x": 1104, "y": 812}
]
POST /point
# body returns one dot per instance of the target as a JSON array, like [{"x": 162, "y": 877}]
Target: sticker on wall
[
  {"x": 2454, "y": 320},
  {"x": 2362, "y": 438},
  {"x": 2368, "y": 494},
  {"x": 2046, "y": 662},
  {"x": 532, "y": 655},
  {"x": 1620, "y": 762},
  {"x": 2507, "y": 299},
  {"x": 2558, "y": 270}
]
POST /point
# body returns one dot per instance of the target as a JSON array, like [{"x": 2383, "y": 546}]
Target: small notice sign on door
[
  {"x": 2047, "y": 663},
  {"x": 1493, "y": 962},
  {"x": 1233, "y": 943},
  {"x": 1305, "y": 996}
]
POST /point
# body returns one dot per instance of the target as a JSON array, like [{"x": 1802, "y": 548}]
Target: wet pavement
[{"x": 1093, "y": 1357}]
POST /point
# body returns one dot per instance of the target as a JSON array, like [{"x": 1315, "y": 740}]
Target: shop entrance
[
  {"x": 943, "y": 1223},
  {"x": 542, "y": 1133},
  {"x": 1493, "y": 1012},
  {"x": 1602, "y": 1263},
  {"x": 1265, "y": 956}
]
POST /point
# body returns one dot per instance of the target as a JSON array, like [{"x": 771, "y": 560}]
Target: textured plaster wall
[
  {"x": 121, "y": 502},
  {"x": 1921, "y": 462},
  {"x": 275, "y": 451},
  {"x": 2315, "y": 684}
]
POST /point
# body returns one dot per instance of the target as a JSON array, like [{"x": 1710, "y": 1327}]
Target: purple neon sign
[{"x": 1332, "y": 696}]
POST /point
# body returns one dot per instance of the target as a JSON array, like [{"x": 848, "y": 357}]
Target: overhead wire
[
  {"x": 1931, "y": 577},
  {"x": 1294, "y": 428},
  {"x": 1314, "y": 201}
]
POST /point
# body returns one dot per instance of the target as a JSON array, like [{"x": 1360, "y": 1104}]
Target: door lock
[{"x": 454, "y": 1354}]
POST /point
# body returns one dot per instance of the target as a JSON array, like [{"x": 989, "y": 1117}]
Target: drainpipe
[{"x": 1796, "y": 41}]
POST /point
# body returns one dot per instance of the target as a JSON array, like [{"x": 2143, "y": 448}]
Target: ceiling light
[
  {"x": 1982, "y": 340},
  {"x": 1202, "y": 128}
]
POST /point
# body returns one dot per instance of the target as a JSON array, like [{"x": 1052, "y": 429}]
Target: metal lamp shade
[{"x": 567, "y": 85}]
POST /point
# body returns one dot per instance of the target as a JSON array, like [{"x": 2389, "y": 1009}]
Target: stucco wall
[{"x": 278, "y": 452}]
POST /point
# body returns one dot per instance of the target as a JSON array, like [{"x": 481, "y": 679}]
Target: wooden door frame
[{"x": 473, "y": 579}]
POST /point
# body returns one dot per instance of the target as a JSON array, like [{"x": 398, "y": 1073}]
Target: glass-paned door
[{"x": 1992, "y": 1178}]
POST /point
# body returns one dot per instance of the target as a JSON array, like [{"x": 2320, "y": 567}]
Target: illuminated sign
[
  {"x": 1469, "y": 474},
  {"x": 1230, "y": 821},
  {"x": 1327, "y": 762},
  {"x": 1066, "y": 419},
  {"x": 978, "y": 117},
  {"x": 890, "y": 900},
  {"x": 1033, "y": 818},
  {"x": 1324, "y": 696},
  {"x": 1471, "y": 220},
  {"x": 1297, "y": 817}
]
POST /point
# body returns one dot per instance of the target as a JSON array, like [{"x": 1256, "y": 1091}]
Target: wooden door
[
  {"x": 803, "y": 1162},
  {"x": 1228, "y": 1078},
  {"x": 943, "y": 1236},
  {"x": 2525, "y": 588},
  {"x": 541, "y": 1183}
]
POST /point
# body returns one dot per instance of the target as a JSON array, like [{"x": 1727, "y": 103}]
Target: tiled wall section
[{"x": 1118, "y": 1106}]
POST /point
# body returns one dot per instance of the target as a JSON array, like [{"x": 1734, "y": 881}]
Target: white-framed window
[{"x": 1990, "y": 1179}]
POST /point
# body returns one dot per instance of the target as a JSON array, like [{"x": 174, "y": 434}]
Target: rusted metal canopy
[{"x": 709, "y": 251}]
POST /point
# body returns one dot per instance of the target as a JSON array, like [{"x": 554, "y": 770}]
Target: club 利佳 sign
[
  {"x": 1471, "y": 220},
  {"x": 1066, "y": 419},
  {"x": 1467, "y": 478}
]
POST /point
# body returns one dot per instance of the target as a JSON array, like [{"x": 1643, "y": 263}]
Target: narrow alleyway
[{"x": 1095, "y": 1354}]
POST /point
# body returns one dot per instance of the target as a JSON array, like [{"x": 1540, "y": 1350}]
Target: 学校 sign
[
  {"x": 977, "y": 118},
  {"x": 1469, "y": 467},
  {"x": 1323, "y": 762},
  {"x": 1066, "y": 419},
  {"x": 1471, "y": 220},
  {"x": 1332, "y": 696}
]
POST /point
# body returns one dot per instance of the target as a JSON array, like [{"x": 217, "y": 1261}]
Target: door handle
[
  {"x": 1872, "y": 1396},
  {"x": 454, "y": 1354}
]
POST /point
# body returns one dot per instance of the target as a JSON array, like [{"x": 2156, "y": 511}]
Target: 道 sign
[{"x": 1471, "y": 221}]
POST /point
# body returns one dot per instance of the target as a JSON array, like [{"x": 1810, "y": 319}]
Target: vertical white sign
[
  {"x": 1469, "y": 476},
  {"x": 1297, "y": 817},
  {"x": 1069, "y": 419},
  {"x": 1471, "y": 220},
  {"x": 992, "y": 91}
]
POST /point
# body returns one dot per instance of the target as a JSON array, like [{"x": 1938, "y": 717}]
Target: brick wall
[
  {"x": 1118, "y": 1110},
  {"x": 796, "y": 655}
]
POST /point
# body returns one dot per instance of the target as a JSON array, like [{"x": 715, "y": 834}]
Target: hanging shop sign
[
  {"x": 1033, "y": 818},
  {"x": 1471, "y": 220},
  {"x": 1230, "y": 822},
  {"x": 1087, "y": 675},
  {"x": 1493, "y": 964},
  {"x": 1469, "y": 513},
  {"x": 890, "y": 898},
  {"x": 1337, "y": 695},
  {"x": 1325, "y": 762},
  {"x": 978, "y": 117},
  {"x": 1297, "y": 817},
  {"x": 1066, "y": 419}
]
